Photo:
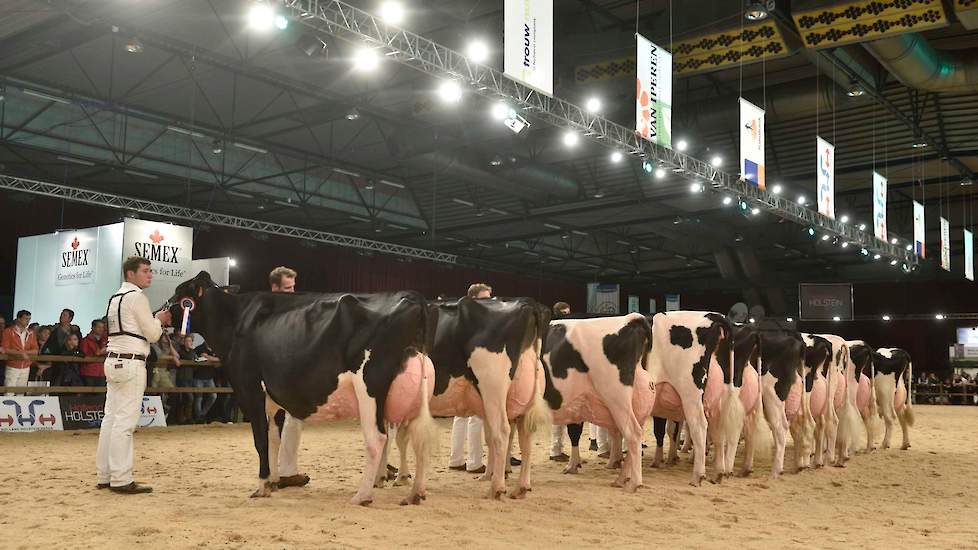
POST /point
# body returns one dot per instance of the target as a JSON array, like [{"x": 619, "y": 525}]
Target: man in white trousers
[
  {"x": 282, "y": 279},
  {"x": 132, "y": 328}
]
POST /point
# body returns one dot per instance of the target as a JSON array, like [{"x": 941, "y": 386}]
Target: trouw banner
[
  {"x": 825, "y": 177},
  {"x": 602, "y": 298},
  {"x": 752, "y": 143},
  {"x": 918, "y": 229},
  {"x": 653, "y": 102},
  {"x": 969, "y": 256},
  {"x": 879, "y": 206},
  {"x": 945, "y": 245},
  {"x": 77, "y": 257},
  {"x": 29, "y": 414},
  {"x": 529, "y": 44},
  {"x": 169, "y": 248}
]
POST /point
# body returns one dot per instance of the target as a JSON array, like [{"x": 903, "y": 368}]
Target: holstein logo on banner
[
  {"x": 945, "y": 245},
  {"x": 86, "y": 411},
  {"x": 825, "y": 177},
  {"x": 918, "y": 229},
  {"x": 29, "y": 414},
  {"x": 529, "y": 48},
  {"x": 879, "y": 206},
  {"x": 653, "y": 100},
  {"x": 969, "y": 256},
  {"x": 752, "y": 143},
  {"x": 77, "y": 257},
  {"x": 168, "y": 247}
]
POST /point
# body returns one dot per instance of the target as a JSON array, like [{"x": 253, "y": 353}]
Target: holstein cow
[
  {"x": 893, "y": 367},
  {"x": 779, "y": 356},
  {"x": 829, "y": 398},
  {"x": 486, "y": 356},
  {"x": 346, "y": 355},
  {"x": 862, "y": 360},
  {"x": 845, "y": 399},
  {"x": 692, "y": 370},
  {"x": 596, "y": 371}
]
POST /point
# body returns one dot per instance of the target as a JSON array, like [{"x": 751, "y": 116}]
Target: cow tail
[
  {"x": 907, "y": 411},
  {"x": 539, "y": 413},
  {"x": 732, "y": 412},
  {"x": 422, "y": 431},
  {"x": 763, "y": 438}
]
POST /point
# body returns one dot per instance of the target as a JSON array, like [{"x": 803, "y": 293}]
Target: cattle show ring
[{"x": 488, "y": 274}]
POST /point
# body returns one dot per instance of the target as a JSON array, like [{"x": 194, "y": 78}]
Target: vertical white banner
[
  {"x": 529, "y": 48},
  {"x": 879, "y": 206},
  {"x": 672, "y": 302},
  {"x": 632, "y": 304},
  {"x": 77, "y": 257},
  {"x": 945, "y": 245},
  {"x": 653, "y": 99},
  {"x": 918, "y": 230},
  {"x": 169, "y": 248},
  {"x": 751, "y": 143},
  {"x": 652, "y": 309},
  {"x": 825, "y": 177},
  {"x": 602, "y": 298},
  {"x": 969, "y": 256}
]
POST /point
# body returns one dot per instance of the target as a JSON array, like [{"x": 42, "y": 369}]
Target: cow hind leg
[
  {"x": 615, "y": 455},
  {"x": 403, "y": 473},
  {"x": 574, "y": 432},
  {"x": 374, "y": 441},
  {"x": 381, "y": 478},
  {"x": 526, "y": 446},
  {"x": 749, "y": 431},
  {"x": 252, "y": 402},
  {"x": 659, "y": 431},
  {"x": 275, "y": 422}
]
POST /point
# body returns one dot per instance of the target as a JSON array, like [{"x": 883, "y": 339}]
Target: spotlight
[
  {"x": 660, "y": 173},
  {"x": 217, "y": 147},
  {"x": 499, "y": 110},
  {"x": 876, "y": 256},
  {"x": 496, "y": 161},
  {"x": 836, "y": 318},
  {"x": 757, "y": 11},
  {"x": 570, "y": 139},
  {"x": 802, "y": 200},
  {"x": 716, "y": 161},
  {"x": 855, "y": 90},
  {"x": 232, "y": 262},
  {"x": 742, "y": 204},
  {"x": 134, "y": 46},
  {"x": 810, "y": 231},
  {"x": 826, "y": 237},
  {"x": 776, "y": 189},
  {"x": 593, "y": 105},
  {"x": 751, "y": 319},
  {"x": 477, "y": 51},
  {"x": 755, "y": 211},
  {"x": 392, "y": 12},
  {"x": 366, "y": 59},
  {"x": 696, "y": 187},
  {"x": 845, "y": 244},
  {"x": 919, "y": 143},
  {"x": 862, "y": 227},
  {"x": 844, "y": 219},
  {"x": 939, "y": 316},
  {"x": 790, "y": 320},
  {"x": 681, "y": 145},
  {"x": 909, "y": 247},
  {"x": 893, "y": 262},
  {"x": 864, "y": 252},
  {"x": 893, "y": 240},
  {"x": 261, "y": 17},
  {"x": 281, "y": 22},
  {"x": 598, "y": 193},
  {"x": 647, "y": 166},
  {"x": 886, "y": 317},
  {"x": 353, "y": 114},
  {"x": 450, "y": 92},
  {"x": 727, "y": 201},
  {"x": 616, "y": 156}
]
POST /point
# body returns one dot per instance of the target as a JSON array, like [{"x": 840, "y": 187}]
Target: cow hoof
[
  {"x": 574, "y": 470},
  {"x": 401, "y": 480},
  {"x": 717, "y": 479},
  {"x": 361, "y": 501},
  {"x": 298, "y": 480},
  {"x": 617, "y": 483},
  {"x": 497, "y": 494},
  {"x": 519, "y": 493},
  {"x": 413, "y": 500},
  {"x": 746, "y": 473},
  {"x": 696, "y": 482},
  {"x": 264, "y": 490},
  {"x": 904, "y": 447}
]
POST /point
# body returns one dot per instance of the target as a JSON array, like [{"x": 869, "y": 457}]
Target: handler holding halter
[{"x": 132, "y": 328}]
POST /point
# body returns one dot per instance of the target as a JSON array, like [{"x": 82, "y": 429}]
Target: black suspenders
[{"x": 120, "y": 331}]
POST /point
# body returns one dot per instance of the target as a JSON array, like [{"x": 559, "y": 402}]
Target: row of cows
[{"x": 394, "y": 360}]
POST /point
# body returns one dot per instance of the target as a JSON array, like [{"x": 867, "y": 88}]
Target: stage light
[
  {"x": 660, "y": 173},
  {"x": 876, "y": 256},
  {"x": 716, "y": 161},
  {"x": 756, "y": 11},
  {"x": 261, "y": 16},
  {"x": 864, "y": 252},
  {"x": 844, "y": 219},
  {"x": 570, "y": 139},
  {"x": 593, "y": 105},
  {"x": 727, "y": 201},
  {"x": 499, "y": 110},
  {"x": 893, "y": 240},
  {"x": 134, "y": 46},
  {"x": 790, "y": 320},
  {"x": 802, "y": 200},
  {"x": 776, "y": 189},
  {"x": 939, "y": 316},
  {"x": 886, "y": 317},
  {"x": 696, "y": 187},
  {"x": 450, "y": 92},
  {"x": 845, "y": 244},
  {"x": 893, "y": 262},
  {"x": 836, "y": 318},
  {"x": 909, "y": 247},
  {"x": 862, "y": 227},
  {"x": 366, "y": 59},
  {"x": 353, "y": 114},
  {"x": 217, "y": 147},
  {"x": 392, "y": 12},
  {"x": 477, "y": 51},
  {"x": 647, "y": 166},
  {"x": 281, "y": 22},
  {"x": 616, "y": 156},
  {"x": 751, "y": 320},
  {"x": 810, "y": 231},
  {"x": 232, "y": 262},
  {"x": 682, "y": 145},
  {"x": 755, "y": 211}
]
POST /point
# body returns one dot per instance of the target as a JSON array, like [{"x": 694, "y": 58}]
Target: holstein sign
[
  {"x": 77, "y": 258},
  {"x": 168, "y": 247},
  {"x": 825, "y": 302}
]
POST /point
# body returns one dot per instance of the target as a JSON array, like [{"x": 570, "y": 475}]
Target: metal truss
[
  {"x": 212, "y": 218},
  {"x": 349, "y": 23}
]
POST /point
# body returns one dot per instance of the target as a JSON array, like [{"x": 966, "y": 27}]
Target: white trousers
[
  {"x": 557, "y": 433},
  {"x": 288, "y": 455},
  {"x": 600, "y": 435},
  {"x": 466, "y": 428},
  {"x": 15, "y": 377},
  {"x": 125, "y": 382}
]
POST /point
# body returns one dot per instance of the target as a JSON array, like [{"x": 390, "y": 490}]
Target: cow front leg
[
  {"x": 615, "y": 455},
  {"x": 251, "y": 399},
  {"x": 381, "y": 478},
  {"x": 374, "y": 440},
  {"x": 696, "y": 429}
]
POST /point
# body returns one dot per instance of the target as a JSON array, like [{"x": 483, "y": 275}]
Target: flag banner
[
  {"x": 879, "y": 206},
  {"x": 653, "y": 100},
  {"x": 945, "y": 245},
  {"x": 529, "y": 43},
  {"x": 969, "y": 258},
  {"x": 918, "y": 229},
  {"x": 751, "y": 143},
  {"x": 77, "y": 257},
  {"x": 672, "y": 302},
  {"x": 602, "y": 298},
  {"x": 825, "y": 177}
]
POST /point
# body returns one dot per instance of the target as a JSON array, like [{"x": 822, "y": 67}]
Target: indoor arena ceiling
[{"x": 177, "y": 101}]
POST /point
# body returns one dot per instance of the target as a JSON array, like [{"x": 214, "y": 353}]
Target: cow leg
[
  {"x": 675, "y": 429},
  {"x": 906, "y": 420},
  {"x": 274, "y": 439},
  {"x": 526, "y": 446},
  {"x": 251, "y": 399},
  {"x": 373, "y": 437},
  {"x": 574, "y": 432},
  {"x": 615, "y": 450},
  {"x": 509, "y": 448},
  {"x": 696, "y": 428},
  {"x": 885, "y": 389},
  {"x": 381, "y": 476},
  {"x": 659, "y": 431},
  {"x": 778, "y": 422},
  {"x": 631, "y": 430},
  {"x": 749, "y": 432},
  {"x": 403, "y": 474}
]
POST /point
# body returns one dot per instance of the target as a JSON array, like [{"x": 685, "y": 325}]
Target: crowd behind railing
[
  {"x": 173, "y": 362},
  {"x": 958, "y": 388}
]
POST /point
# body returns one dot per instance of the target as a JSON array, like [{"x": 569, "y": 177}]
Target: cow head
[{"x": 190, "y": 299}]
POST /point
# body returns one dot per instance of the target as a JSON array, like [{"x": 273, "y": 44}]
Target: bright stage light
[
  {"x": 450, "y": 92},
  {"x": 570, "y": 139},
  {"x": 392, "y": 12},
  {"x": 477, "y": 51},
  {"x": 261, "y": 17},
  {"x": 616, "y": 156},
  {"x": 593, "y": 105},
  {"x": 682, "y": 145},
  {"x": 366, "y": 59}
]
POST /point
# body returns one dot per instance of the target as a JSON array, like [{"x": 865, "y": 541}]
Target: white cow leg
[
  {"x": 674, "y": 430},
  {"x": 696, "y": 428},
  {"x": 381, "y": 476},
  {"x": 526, "y": 446},
  {"x": 775, "y": 416},
  {"x": 904, "y": 417},
  {"x": 274, "y": 442},
  {"x": 748, "y": 466},
  {"x": 614, "y": 451},
  {"x": 403, "y": 474},
  {"x": 574, "y": 464},
  {"x": 373, "y": 439}
]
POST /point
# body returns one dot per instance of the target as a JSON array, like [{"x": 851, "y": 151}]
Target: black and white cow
[
  {"x": 861, "y": 355},
  {"x": 345, "y": 355},
  {"x": 891, "y": 382},
  {"x": 486, "y": 357},
  {"x": 692, "y": 370},
  {"x": 596, "y": 371}
]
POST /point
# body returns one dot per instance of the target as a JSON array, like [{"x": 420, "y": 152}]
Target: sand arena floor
[{"x": 203, "y": 475}]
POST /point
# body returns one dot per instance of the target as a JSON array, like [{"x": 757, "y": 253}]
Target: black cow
[{"x": 346, "y": 355}]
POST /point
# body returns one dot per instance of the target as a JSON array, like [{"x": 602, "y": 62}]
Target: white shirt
[
  {"x": 136, "y": 318},
  {"x": 22, "y": 334}
]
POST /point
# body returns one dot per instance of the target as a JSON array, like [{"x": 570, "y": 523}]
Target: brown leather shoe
[
  {"x": 298, "y": 480},
  {"x": 458, "y": 468},
  {"x": 132, "y": 489},
  {"x": 562, "y": 457},
  {"x": 102, "y": 485}
]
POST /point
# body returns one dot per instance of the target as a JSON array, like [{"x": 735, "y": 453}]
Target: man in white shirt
[{"x": 132, "y": 328}]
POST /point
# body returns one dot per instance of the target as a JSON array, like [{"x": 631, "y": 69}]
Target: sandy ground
[{"x": 203, "y": 475}]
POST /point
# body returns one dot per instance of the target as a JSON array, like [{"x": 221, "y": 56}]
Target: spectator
[
  {"x": 203, "y": 378},
  {"x": 94, "y": 345},
  {"x": 33, "y": 327},
  {"x": 43, "y": 334},
  {"x": 67, "y": 373},
  {"x": 18, "y": 341},
  {"x": 185, "y": 379},
  {"x": 61, "y": 331}
]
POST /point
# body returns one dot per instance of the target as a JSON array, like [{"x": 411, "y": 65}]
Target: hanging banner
[
  {"x": 602, "y": 298},
  {"x": 751, "y": 143},
  {"x": 168, "y": 247},
  {"x": 651, "y": 306},
  {"x": 77, "y": 257},
  {"x": 918, "y": 229},
  {"x": 653, "y": 101},
  {"x": 825, "y": 177},
  {"x": 969, "y": 259},
  {"x": 529, "y": 57},
  {"x": 633, "y": 304},
  {"x": 672, "y": 302},
  {"x": 879, "y": 206},
  {"x": 945, "y": 245}
]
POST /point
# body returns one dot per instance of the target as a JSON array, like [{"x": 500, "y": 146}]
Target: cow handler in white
[{"x": 132, "y": 328}]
